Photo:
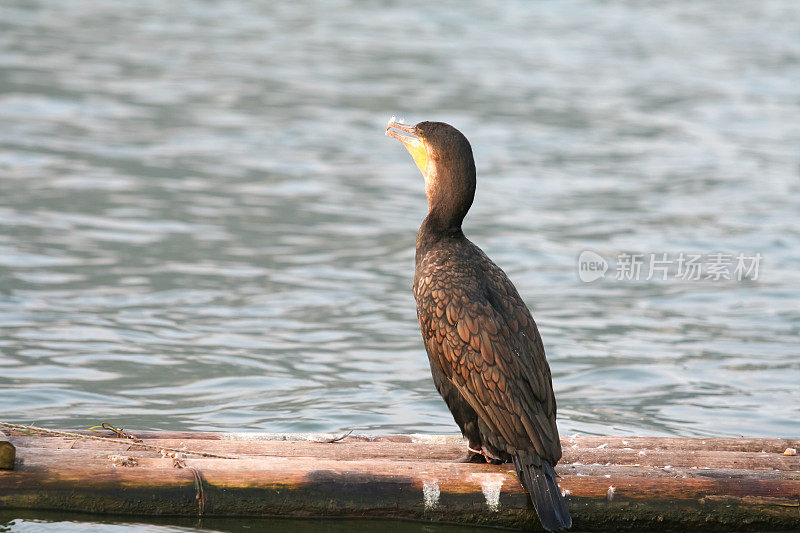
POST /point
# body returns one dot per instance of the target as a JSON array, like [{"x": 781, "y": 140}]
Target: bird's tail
[{"x": 538, "y": 478}]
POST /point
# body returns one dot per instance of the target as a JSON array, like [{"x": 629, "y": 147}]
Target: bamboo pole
[{"x": 611, "y": 483}]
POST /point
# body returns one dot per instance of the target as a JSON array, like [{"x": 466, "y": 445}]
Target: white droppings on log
[
  {"x": 431, "y": 493},
  {"x": 610, "y": 493},
  {"x": 490, "y": 486}
]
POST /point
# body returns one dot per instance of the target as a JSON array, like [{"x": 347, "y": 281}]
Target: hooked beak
[{"x": 412, "y": 141}]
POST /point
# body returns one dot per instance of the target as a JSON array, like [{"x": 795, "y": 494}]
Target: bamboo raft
[{"x": 610, "y": 483}]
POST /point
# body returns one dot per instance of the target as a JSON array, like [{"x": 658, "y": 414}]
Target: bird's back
[{"x": 479, "y": 332}]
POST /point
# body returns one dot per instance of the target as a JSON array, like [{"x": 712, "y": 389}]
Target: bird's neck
[
  {"x": 450, "y": 189},
  {"x": 434, "y": 231}
]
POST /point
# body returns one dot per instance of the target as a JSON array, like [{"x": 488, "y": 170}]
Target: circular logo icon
[{"x": 591, "y": 266}]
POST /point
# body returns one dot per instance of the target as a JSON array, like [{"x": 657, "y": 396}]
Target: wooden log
[
  {"x": 638, "y": 456},
  {"x": 7, "y": 453},
  {"x": 669, "y": 443},
  {"x": 724, "y": 484}
]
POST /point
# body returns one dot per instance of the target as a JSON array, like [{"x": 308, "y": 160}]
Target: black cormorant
[{"x": 485, "y": 351}]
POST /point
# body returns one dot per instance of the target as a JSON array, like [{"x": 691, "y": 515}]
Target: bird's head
[{"x": 444, "y": 156}]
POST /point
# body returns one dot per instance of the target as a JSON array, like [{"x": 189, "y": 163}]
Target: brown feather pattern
[{"x": 480, "y": 333}]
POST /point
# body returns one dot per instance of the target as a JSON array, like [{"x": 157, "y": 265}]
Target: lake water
[
  {"x": 202, "y": 225},
  {"x": 80, "y": 523}
]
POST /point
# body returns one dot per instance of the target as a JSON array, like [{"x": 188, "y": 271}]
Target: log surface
[{"x": 611, "y": 483}]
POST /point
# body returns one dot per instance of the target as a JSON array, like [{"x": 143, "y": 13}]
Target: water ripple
[{"x": 202, "y": 225}]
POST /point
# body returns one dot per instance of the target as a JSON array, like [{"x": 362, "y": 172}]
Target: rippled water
[
  {"x": 203, "y": 227},
  {"x": 54, "y": 523},
  {"x": 80, "y": 523}
]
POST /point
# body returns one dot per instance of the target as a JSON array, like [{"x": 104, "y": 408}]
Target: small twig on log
[
  {"x": 119, "y": 432},
  {"x": 117, "y": 441},
  {"x": 340, "y": 438},
  {"x": 201, "y": 495}
]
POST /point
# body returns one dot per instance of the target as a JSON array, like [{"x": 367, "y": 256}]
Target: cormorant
[{"x": 485, "y": 351}]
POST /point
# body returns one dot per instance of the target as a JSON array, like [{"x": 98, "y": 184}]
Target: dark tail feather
[{"x": 539, "y": 479}]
